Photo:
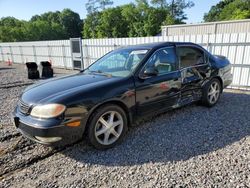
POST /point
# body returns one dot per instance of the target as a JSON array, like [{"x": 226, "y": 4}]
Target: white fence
[
  {"x": 231, "y": 26},
  {"x": 234, "y": 46}
]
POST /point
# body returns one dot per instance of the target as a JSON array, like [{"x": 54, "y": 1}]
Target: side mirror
[{"x": 150, "y": 71}]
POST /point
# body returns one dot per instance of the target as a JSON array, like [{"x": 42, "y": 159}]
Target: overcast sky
[{"x": 25, "y": 9}]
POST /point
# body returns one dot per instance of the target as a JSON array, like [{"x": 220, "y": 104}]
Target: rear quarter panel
[{"x": 223, "y": 67}]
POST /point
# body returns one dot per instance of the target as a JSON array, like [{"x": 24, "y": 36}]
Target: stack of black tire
[
  {"x": 33, "y": 73},
  {"x": 47, "y": 71}
]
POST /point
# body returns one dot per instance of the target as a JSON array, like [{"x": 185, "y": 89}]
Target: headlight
[{"x": 48, "y": 110}]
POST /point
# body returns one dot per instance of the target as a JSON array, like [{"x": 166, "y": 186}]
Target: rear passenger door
[{"x": 194, "y": 68}]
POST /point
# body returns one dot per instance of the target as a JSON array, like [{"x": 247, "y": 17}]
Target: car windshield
[{"x": 118, "y": 63}]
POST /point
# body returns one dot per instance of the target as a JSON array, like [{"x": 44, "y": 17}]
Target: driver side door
[{"x": 161, "y": 91}]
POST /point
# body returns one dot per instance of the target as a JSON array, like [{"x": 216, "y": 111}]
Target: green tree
[
  {"x": 154, "y": 20},
  {"x": 112, "y": 24},
  {"x": 50, "y": 17},
  {"x": 97, "y": 5},
  {"x": 90, "y": 25},
  {"x": 42, "y": 30},
  {"x": 71, "y": 23},
  {"x": 143, "y": 19},
  {"x": 160, "y": 3},
  {"x": 175, "y": 9},
  {"x": 67, "y": 19},
  {"x": 228, "y": 10},
  {"x": 48, "y": 26},
  {"x": 214, "y": 12},
  {"x": 134, "y": 19},
  {"x": 238, "y": 9},
  {"x": 11, "y": 29}
]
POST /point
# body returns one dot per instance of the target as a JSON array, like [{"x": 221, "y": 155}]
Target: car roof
[{"x": 156, "y": 45}]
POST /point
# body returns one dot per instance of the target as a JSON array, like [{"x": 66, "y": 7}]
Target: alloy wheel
[
  {"x": 213, "y": 92},
  {"x": 109, "y": 127}
]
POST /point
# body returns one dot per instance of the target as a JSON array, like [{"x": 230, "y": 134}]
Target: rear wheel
[
  {"x": 211, "y": 93},
  {"x": 108, "y": 126}
]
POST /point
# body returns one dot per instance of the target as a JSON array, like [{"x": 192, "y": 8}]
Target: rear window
[{"x": 190, "y": 56}]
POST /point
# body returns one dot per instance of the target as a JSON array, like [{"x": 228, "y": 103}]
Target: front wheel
[
  {"x": 108, "y": 126},
  {"x": 211, "y": 93}
]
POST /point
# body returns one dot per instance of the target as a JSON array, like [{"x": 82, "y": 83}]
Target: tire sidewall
[
  {"x": 205, "y": 98},
  {"x": 93, "y": 120}
]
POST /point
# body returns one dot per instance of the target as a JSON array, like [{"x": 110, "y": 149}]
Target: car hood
[{"x": 45, "y": 90}]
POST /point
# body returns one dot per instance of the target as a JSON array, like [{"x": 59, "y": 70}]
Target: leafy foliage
[
  {"x": 142, "y": 18},
  {"x": 229, "y": 10},
  {"x": 134, "y": 19},
  {"x": 96, "y": 5},
  {"x": 48, "y": 26}
]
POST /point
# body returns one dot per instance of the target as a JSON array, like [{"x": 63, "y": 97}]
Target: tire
[
  {"x": 211, "y": 93},
  {"x": 103, "y": 133}
]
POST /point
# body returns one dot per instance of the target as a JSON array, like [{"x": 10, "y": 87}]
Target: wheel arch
[
  {"x": 221, "y": 82},
  {"x": 114, "y": 102}
]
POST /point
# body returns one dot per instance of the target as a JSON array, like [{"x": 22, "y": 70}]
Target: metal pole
[
  {"x": 71, "y": 50},
  {"x": 2, "y": 53},
  {"x": 235, "y": 54},
  {"x": 248, "y": 77},
  {"x": 87, "y": 55},
  {"x": 82, "y": 62},
  {"x": 34, "y": 53},
  {"x": 215, "y": 28},
  {"x": 209, "y": 45},
  {"x": 11, "y": 54},
  {"x": 49, "y": 52},
  {"x": 228, "y": 47},
  {"x": 21, "y": 53},
  {"x": 64, "y": 56},
  {"x": 221, "y": 45},
  {"x": 243, "y": 57}
]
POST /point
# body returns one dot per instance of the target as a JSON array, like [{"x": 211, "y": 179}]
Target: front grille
[{"x": 23, "y": 107}]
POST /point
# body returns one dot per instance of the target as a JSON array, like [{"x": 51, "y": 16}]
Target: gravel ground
[{"x": 193, "y": 146}]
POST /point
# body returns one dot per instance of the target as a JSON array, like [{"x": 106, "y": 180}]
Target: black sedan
[{"x": 119, "y": 89}]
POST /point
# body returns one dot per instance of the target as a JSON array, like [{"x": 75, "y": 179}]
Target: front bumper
[{"x": 45, "y": 130}]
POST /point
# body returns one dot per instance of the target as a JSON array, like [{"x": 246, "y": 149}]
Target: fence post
[
  {"x": 222, "y": 41},
  {"x": 86, "y": 55},
  {"x": 64, "y": 56},
  {"x": 209, "y": 45},
  {"x": 34, "y": 53},
  {"x": 2, "y": 53},
  {"x": 235, "y": 54},
  {"x": 11, "y": 54},
  {"x": 243, "y": 57},
  {"x": 215, "y": 28},
  {"x": 21, "y": 53},
  {"x": 49, "y": 52}
]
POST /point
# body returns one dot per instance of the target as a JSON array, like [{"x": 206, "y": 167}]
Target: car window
[
  {"x": 113, "y": 61},
  {"x": 163, "y": 60},
  {"x": 119, "y": 62},
  {"x": 190, "y": 56}
]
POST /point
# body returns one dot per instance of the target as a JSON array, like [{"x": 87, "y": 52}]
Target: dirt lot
[{"x": 193, "y": 146}]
